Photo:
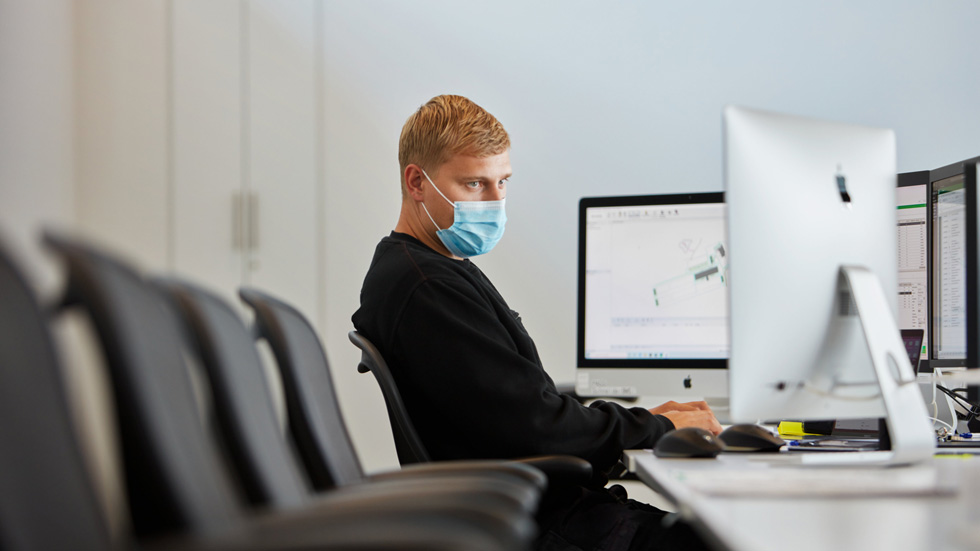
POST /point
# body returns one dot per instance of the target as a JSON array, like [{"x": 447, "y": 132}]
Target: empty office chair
[
  {"x": 247, "y": 421},
  {"x": 314, "y": 412},
  {"x": 46, "y": 498},
  {"x": 175, "y": 482}
]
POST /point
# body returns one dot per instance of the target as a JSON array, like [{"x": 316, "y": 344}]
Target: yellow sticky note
[{"x": 791, "y": 428}]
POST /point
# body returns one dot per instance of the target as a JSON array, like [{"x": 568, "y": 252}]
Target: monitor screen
[
  {"x": 653, "y": 279},
  {"x": 913, "y": 292},
  {"x": 948, "y": 293}
]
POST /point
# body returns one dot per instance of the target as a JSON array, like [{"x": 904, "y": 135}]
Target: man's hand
[
  {"x": 689, "y": 414},
  {"x": 677, "y": 406}
]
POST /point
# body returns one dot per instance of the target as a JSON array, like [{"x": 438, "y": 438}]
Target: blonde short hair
[{"x": 447, "y": 126}]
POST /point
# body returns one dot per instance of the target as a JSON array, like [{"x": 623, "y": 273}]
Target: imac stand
[{"x": 913, "y": 439}]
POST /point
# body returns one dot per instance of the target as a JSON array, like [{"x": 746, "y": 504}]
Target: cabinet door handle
[
  {"x": 237, "y": 228},
  {"x": 253, "y": 222}
]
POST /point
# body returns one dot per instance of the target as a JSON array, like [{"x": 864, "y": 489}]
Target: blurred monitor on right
[
  {"x": 971, "y": 171},
  {"x": 950, "y": 215},
  {"x": 954, "y": 283},
  {"x": 814, "y": 279}
]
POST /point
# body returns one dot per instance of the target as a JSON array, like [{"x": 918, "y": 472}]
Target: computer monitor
[
  {"x": 813, "y": 277},
  {"x": 954, "y": 210},
  {"x": 652, "y": 297},
  {"x": 971, "y": 173},
  {"x": 950, "y": 286},
  {"x": 913, "y": 275}
]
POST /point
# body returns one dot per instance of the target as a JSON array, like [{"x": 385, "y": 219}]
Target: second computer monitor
[
  {"x": 652, "y": 303},
  {"x": 953, "y": 343},
  {"x": 806, "y": 198},
  {"x": 913, "y": 275}
]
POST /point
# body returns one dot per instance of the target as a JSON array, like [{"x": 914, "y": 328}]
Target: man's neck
[{"x": 410, "y": 223}]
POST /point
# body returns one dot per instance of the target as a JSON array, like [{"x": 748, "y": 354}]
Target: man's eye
[
  {"x": 503, "y": 182},
  {"x": 473, "y": 185}
]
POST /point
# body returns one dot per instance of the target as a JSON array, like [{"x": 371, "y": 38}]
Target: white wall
[
  {"x": 613, "y": 98},
  {"x": 36, "y": 146}
]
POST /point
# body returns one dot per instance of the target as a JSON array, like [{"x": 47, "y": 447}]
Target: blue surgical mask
[{"x": 477, "y": 225}]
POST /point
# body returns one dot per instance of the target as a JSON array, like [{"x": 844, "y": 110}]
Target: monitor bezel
[{"x": 712, "y": 197}]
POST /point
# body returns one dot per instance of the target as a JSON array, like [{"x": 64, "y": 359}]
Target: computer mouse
[
  {"x": 750, "y": 438},
  {"x": 688, "y": 442}
]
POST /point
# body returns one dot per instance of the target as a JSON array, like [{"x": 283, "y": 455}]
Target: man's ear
[{"x": 414, "y": 180}]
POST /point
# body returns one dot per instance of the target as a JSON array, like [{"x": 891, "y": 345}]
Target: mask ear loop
[
  {"x": 440, "y": 193},
  {"x": 436, "y": 188},
  {"x": 430, "y": 217}
]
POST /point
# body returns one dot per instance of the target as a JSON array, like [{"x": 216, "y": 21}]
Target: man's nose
[{"x": 497, "y": 193}]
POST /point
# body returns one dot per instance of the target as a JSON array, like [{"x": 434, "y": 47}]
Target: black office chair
[
  {"x": 46, "y": 498},
  {"x": 408, "y": 444},
  {"x": 312, "y": 403},
  {"x": 257, "y": 449},
  {"x": 562, "y": 470},
  {"x": 175, "y": 482}
]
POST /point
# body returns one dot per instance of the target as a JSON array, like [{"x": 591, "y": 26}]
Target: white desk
[{"x": 801, "y": 509}]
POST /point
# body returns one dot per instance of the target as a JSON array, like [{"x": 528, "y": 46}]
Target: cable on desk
[{"x": 973, "y": 410}]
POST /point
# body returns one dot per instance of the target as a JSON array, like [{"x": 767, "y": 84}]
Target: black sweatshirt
[{"x": 468, "y": 371}]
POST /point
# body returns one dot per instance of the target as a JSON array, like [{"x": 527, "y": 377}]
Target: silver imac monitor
[
  {"x": 811, "y": 212},
  {"x": 652, "y": 297}
]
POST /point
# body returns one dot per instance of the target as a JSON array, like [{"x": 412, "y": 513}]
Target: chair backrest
[
  {"x": 174, "y": 479},
  {"x": 254, "y": 443},
  {"x": 313, "y": 412},
  {"x": 407, "y": 442},
  {"x": 47, "y": 500}
]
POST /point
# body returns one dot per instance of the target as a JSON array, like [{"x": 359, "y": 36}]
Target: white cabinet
[
  {"x": 232, "y": 189},
  {"x": 207, "y": 140},
  {"x": 282, "y": 147}
]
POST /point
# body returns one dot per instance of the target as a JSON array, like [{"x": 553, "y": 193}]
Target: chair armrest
[
  {"x": 490, "y": 467},
  {"x": 546, "y": 471},
  {"x": 561, "y": 470},
  {"x": 505, "y": 491}
]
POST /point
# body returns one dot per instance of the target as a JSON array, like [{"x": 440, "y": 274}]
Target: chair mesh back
[
  {"x": 315, "y": 420},
  {"x": 408, "y": 444},
  {"x": 46, "y": 498},
  {"x": 174, "y": 480},
  {"x": 254, "y": 442}
]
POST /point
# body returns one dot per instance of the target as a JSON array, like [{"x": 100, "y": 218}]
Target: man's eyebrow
[{"x": 481, "y": 178}]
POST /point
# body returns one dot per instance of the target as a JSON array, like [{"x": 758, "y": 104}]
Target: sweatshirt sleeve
[{"x": 473, "y": 389}]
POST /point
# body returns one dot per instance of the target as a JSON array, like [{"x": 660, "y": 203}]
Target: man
[{"x": 468, "y": 371}]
